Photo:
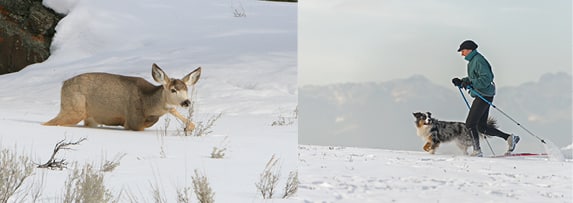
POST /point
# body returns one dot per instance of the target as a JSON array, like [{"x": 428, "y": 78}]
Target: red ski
[{"x": 522, "y": 154}]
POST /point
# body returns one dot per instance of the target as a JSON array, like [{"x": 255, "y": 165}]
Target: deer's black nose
[{"x": 185, "y": 103}]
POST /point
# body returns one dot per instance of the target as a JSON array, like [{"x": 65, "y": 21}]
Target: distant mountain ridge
[{"x": 379, "y": 114}]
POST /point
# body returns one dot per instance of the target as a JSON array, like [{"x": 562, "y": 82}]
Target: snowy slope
[
  {"x": 339, "y": 174},
  {"x": 249, "y": 75}
]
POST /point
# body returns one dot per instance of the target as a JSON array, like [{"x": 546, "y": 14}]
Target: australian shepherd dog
[{"x": 434, "y": 132}]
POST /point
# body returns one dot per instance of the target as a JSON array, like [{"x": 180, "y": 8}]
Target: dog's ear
[
  {"x": 429, "y": 114},
  {"x": 417, "y": 114}
]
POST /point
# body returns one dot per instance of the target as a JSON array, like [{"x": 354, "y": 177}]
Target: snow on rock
[
  {"x": 340, "y": 174},
  {"x": 60, "y": 6}
]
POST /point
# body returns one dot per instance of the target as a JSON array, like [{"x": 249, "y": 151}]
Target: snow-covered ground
[
  {"x": 340, "y": 174},
  {"x": 249, "y": 75}
]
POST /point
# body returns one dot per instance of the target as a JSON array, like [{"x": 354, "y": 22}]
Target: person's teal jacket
[{"x": 480, "y": 75}]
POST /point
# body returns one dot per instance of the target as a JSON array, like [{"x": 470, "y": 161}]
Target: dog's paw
[{"x": 427, "y": 147}]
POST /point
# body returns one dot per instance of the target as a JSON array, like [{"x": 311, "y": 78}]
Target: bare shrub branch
[
  {"x": 269, "y": 179},
  {"x": 54, "y": 163},
  {"x": 202, "y": 189}
]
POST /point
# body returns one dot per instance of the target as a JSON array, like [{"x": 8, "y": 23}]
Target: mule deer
[{"x": 116, "y": 100}]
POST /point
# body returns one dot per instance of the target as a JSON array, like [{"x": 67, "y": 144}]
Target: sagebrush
[
  {"x": 109, "y": 166},
  {"x": 202, "y": 128},
  {"x": 239, "y": 11},
  {"x": 184, "y": 195},
  {"x": 205, "y": 128},
  {"x": 286, "y": 120},
  {"x": 14, "y": 170},
  {"x": 161, "y": 133},
  {"x": 86, "y": 185},
  {"x": 158, "y": 195},
  {"x": 269, "y": 179},
  {"x": 219, "y": 152},
  {"x": 291, "y": 185},
  {"x": 201, "y": 187}
]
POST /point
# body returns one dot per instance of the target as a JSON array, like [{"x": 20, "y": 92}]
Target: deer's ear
[
  {"x": 158, "y": 75},
  {"x": 191, "y": 78}
]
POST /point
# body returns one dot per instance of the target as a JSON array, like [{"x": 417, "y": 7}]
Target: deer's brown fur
[{"x": 116, "y": 100}]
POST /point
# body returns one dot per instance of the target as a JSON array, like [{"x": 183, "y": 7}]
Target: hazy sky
[{"x": 380, "y": 40}]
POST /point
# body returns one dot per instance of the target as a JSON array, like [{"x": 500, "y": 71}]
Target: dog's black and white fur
[{"x": 434, "y": 132}]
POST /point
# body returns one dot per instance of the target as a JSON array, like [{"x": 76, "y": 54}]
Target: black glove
[
  {"x": 466, "y": 83},
  {"x": 457, "y": 82}
]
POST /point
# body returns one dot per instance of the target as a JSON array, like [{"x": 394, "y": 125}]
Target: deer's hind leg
[
  {"x": 90, "y": 122},
  {"x": 72, "y": 109}
]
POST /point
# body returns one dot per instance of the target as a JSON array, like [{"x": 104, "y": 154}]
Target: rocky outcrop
[{"x": 26, "y": 31}]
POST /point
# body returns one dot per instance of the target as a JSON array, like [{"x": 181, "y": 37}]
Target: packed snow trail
[{"x": 340, "y": 174}]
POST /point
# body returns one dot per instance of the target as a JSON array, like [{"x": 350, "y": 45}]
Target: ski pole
[
  {"x": 462, "y": 93},
  {"x": 469, "y": 108},
  {"x": 510, "y": 118}
]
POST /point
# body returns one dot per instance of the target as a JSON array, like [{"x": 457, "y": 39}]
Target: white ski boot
[
  {"x": 477, "y": 153},
  {"x": 512, "y": 140}
]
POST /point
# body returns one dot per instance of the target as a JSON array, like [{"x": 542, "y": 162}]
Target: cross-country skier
[{"x": 480, "y": 78}]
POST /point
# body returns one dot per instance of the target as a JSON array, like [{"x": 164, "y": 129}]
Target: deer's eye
[{"x": 173, "y": 91}]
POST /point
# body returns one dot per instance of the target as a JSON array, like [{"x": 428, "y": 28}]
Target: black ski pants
[{"x": 477, "y": 121}]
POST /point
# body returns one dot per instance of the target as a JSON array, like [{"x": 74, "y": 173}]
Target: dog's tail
[{"x": 492, "y": 123}]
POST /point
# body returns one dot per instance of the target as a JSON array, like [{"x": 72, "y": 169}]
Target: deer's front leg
[{"x": 189, "y": 126}]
